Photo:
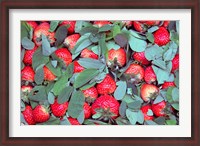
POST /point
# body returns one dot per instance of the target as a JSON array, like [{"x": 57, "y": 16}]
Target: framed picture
[{"x": 100, "y": 73}]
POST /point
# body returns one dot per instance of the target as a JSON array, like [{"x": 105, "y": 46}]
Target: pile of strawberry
[{"x": 100, "y": 72}]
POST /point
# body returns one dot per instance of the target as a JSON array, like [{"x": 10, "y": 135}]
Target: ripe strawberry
[
  {"x": 59, "y": 110},
  {"x": 101, "y": 23},
  {"x": 71, "y": 26},
  {"x": 87, "y": 110},
  {"x": 144, "y": 110},
  {"x": 40, "y": 114},
  {"x": 70, "y": 41},
  {"x": 107, "y": 86},
  {"x": 33, "y": 24},
  {"x": 64, "y": 55},
  {"x": 48, "y": 75},
  {"x": 166, "y": 85},
  {"x": 27, "y": 74},
  {"x": 136, "y": 72},
  {"x": 43, "y": 28},
  {"x": 25, "y": 90},
  {"x": 175, "y": 63},
  {"x": 117, "y": 56},
  {"x": 73, "y": 121},
  {"x": 28, "y": 115},
  {"x": 140, "y": 57},
  {"x": 139, "y": 26},
  {"x": 161, "y": 36},
  {"x": 90, "y": 94},
  {"x": 77, "y": 67},
  {"x": 159, "y": 108},
  {"x": 150, "y": 23},
  {"x": 149, "y": 75},
  {"x": 148, "y": 91},
  {"x": 107, "y": 105},
  {"x": 86, "y": 53},
  {"x": 28, "y": 55},
  {"x": 166, "y": 24}
]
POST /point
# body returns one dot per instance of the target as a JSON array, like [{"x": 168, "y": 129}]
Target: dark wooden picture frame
[{"x": 6, "y": 5}]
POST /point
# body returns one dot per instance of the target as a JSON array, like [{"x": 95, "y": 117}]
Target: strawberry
[
  {"x": 148, "y": 91},
  {"x": 28, "y": 115},
  {"x": 43, "y": 28},
  {"x": 140, "y": 57},
  {"x": 144, "y": 110},
  {"x": 33, "y": 24},
  {"x": 90, "y": 94},
  {"x": 127, "y": 23},
  {"x": 166, "y": 24},
  {"x": 150, "y": 23},
  {"x": 77, "y": 67},
  {"x": 73, "y": 121},
  {"x": 71, "y": 26},
  {"x": 101, "y": 23},
  {"x": 87, "y": 110},
  {"x": 107, "y": 105},
  {"x": 28, "y": 55},
  {"x": 139, "y": 26},
  {"x": 136, "y": 72},
  {"x": 159, "y": 108},
  {"x": 40, "y": 114},
  {"x": 64, "y": 55},
  {"x": 86, "y": 53},
  {"x": 117, "y": 56},
  {"x": 166, "y": 85},
  {"x": 107, "y": 86},
  {"x": 48, "y": 75},
  {"x": 70, "y": 41},
  {"x": 149, "y": 75},
  {"x": 25, "y": 90},
  {"x": 59, "y": 110},
  {"x": 175, "y": 63},
  {"x": 161, "y": 36},
  {"x": 27, "y": 74}
]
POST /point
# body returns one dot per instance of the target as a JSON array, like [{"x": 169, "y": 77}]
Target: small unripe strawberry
[
  {"x": 148, "y": 91},
  {"x": 48, "y": 75},
  {"x": 166, "y": 85},
  {"x": 70, "y": 41},
  {"x": 73, "y": 121},
  {"x": 136, "y": 72},
  {"x": 90, "y": 94},
  {"x": 161, "y": 36},
  {"x": 149, "y": 75},
  {"x": 28, "y": 115},
  {"x": 64, "y": 55},
  {"x": 140, "y": 57},
  {"x": 86, "y": 53},
  {"x": 101, "y": 23},
  {"x": 28, "y": 56},
  {"x": 58, "y": 109},
  {"x": 40, "y": 114},
  {"x": 144, "y": 110},
  {"x": 87, "y": 110},
  {"x": 77, "y": 67},
  {"x": 175, "y": 63},
  {"x": 27, "y": 74},
  {"x": 71, "y": 26},
  {"x": 159, "y": 108},
  {"x": 117, "y": 56}
]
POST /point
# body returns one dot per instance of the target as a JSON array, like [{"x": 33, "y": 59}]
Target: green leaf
[
  {"x": 135, "y": 104},
  {"x": 51, "y": 97},
  {"x": 140, "y": 117},
  {"x": 90, "y": 63},
  {"x": 104, "y": 28},
  {"x": 70, "y": 70},
  {"x": 103, "y": 47},
  {"x": 49, "y": 87},
  {"x": 95, "y": 49},
  {"x": 158, "y": 99},
  {"x": 128, "y": 99},
  {"x": 81, "y": 117},
  {"x": 87, "y": 86},
  {"x": 53, "y": 25},
  {"x": 65, "y": 94},
  {"x": 47, "y": 50},
  {"x": 174, "y": 36},
  {"x": 116, "y": 30},
  {"x": 27, "y": 44},
  {"x": 55, "y": 71},
  {"x": 150, "y": 112},
  {"x": 121, "y": 90},
  {"x": 38, "y": 93},
  {"x": 160, "y": 120},
  {"x": 54, "y": 63},
  {"x": 137, "y": 45},
  {"x": 39, "y": 75},
  {"x": 160, "y": 63},
  {"x": 25, "y": 30},
  {"x": 171, "y": 122},
  {"x": 177, "y": 26},
  {"x": 150, "y": 37},
  {"x": 88, "y": 29},
  {"x": 111, "y": 45},
  {"x": 122, "y": 121},
  {"x": 84, "y": 77},
  {"x": 97, "y": 115},
  {"x": 51, "y": 121},
  {"x": 175, "y": 106},
  {"x": 132, "y": 116},
  {"x": 150, "y": 122},
  {"x": 161, "y": 74},
  {"x": 65, "y": 121},
  {"x": 99, "y": 78},
  {"x": 153, "y": 52},
  {"x": 171, "y": 52},
  {"x": 176, "y": 80},
  {"x": 175, "y": 94},
  {"x": 60, "y": 35},
  {"x": 153, "y": 29},
  {"x": 22, "y": 105},
  {"x": 76, "y": 104},
  {"x": 78, "y": 25},
  {"x": 60, "y": 85},
  {"x": 136, "y": 35},
  {"x": 169, "y": 94},
  {"x": 121, "y": 40},
  {"x": 122, "y": 109}
]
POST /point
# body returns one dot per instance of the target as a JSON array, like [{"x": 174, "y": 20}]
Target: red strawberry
[
  {"x": 144, "y": 110},
  {"x": 136, "y": 72},
  {"x": 87, "y": 110},
  {"x": 71, "y": 26},
  {"x": 77, "y": 67},
  {"x": 150, "y": 23},
  {"x": 101, "y": 23},
  {"x": 175, "y": 63},
  {"x": 159, "y": 108},
  {"x": 43, "y": 28},
  {"x": 64, "y": 55},
  {"x": 40, "y": 114},
  {"x": 117, "y": 55},
  {"x": 86, "y": 53},
  {"x": 28, "y": 55},
  {"x": 108, "y": 104},
  {"x": 28, "y": 115},
  {"x": 73, "y": 121},
  {"x": 59, "y": 110},
  {"x": 33, "y": 24},
  {"x": 90, "y": 94},
  {"x": 48, "y": 75},
  {"x": 166, "y": 85},
  {"x": 149, "y": 75},
  {"x": 127, "y": 23},
  {"x": 27, "y": 74},
  {"x": 139, "y": 26},
  {"x": 166, "y": 23},
  {"x": 25, "y": 92},
  {"x": 70, "y": 41},
  {"x": 148, "y": 91},
  {"x": 140, "y": 57},
  {"x": 107, "y": 86},
  {"x": 161, "y": 36}
]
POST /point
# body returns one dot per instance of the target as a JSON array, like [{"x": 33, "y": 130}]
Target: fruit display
[{"x": 100, "y": 72}]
